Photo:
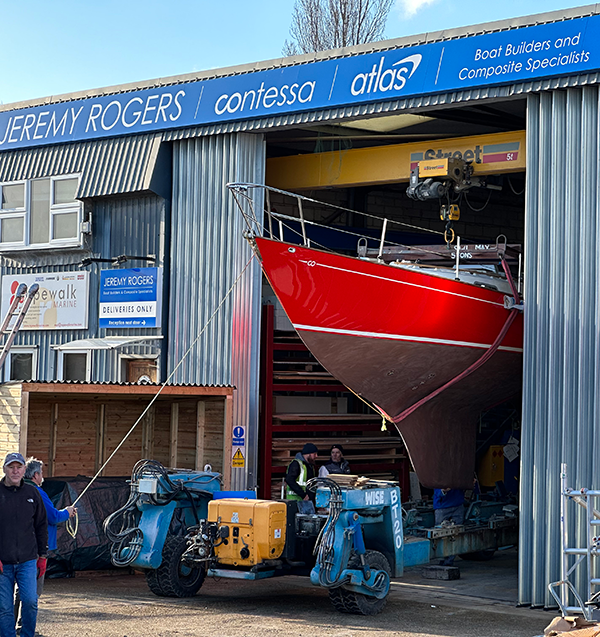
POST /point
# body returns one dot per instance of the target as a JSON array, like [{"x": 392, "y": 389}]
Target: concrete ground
[{"x": 480, "y": 604}]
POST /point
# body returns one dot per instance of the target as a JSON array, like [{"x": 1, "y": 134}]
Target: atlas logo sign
[{"x": 388, "y": 79}]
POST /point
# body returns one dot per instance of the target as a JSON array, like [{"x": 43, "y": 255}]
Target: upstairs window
[{"x": 40, "y": 213}]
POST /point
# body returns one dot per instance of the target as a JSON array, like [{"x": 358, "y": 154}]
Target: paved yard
[{"x": 480, "y": 604}]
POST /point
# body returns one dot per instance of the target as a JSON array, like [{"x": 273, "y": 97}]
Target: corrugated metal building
[{"x": 150, "y": 183}]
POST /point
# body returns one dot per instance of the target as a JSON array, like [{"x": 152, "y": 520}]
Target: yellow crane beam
[{"x": 490, "y": 154}]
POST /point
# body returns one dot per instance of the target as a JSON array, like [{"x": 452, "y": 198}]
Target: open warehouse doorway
[{"x": 363, "y": 167}]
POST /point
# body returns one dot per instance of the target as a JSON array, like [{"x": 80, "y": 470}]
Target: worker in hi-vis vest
[{"x": 299, "y": 472}]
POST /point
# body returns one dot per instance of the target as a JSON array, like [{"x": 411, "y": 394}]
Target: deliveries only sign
[
  {"x": 131, "y": 298},
  {"x": 61, "y": 303}
]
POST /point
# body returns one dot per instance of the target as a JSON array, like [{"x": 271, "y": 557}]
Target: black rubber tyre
[
  {"x": 479, "y": 556},
  {"x": 346, "y": 601},
  {"x": 173, "y": 578},
  {"x": 153, "y": 582},
  {"x": 337, "y": 596}
]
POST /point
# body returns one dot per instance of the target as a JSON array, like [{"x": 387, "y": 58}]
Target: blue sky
[{"x": 49, "y": 47}]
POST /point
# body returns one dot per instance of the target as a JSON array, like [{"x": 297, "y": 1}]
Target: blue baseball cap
[{"x": 14, "y": 457}]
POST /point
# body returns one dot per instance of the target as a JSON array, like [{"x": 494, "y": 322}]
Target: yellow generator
[{"x": 251, "y": 531}]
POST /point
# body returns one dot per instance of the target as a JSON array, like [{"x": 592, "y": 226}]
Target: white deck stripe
[
  {"x": 414, "y": 285},
  {"x": 400, "y": 337}
]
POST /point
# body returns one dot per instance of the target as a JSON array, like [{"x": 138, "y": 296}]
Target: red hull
[{"x": 393, "y": 336}]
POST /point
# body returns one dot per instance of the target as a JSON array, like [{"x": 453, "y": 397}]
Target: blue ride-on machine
[{"x": 179, "y": 527}]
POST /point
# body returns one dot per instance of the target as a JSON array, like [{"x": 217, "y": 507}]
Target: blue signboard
[
  {"x": 238, "y": 437},
  {"x": 131, "y": 298},
  {"x": 519, "y": 55}
]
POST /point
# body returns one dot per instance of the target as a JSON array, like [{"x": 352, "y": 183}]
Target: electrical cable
[
  {"x": 487, "y": 201},
  {"x": 513, "y": 188},
  {"x": 121, "y": 526}
]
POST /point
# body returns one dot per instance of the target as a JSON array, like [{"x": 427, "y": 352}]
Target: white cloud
[{"x": 409, "y": 8}]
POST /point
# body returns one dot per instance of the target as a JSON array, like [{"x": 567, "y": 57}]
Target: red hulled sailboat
[{"x": 430, "y": 347}]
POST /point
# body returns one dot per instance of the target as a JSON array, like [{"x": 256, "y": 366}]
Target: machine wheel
[
  {"x": 173, "y": 578},
  {"x": 153, "y": 582},
  {"x": 479, "y": 556},
  {"x": 346, "y": 601}
]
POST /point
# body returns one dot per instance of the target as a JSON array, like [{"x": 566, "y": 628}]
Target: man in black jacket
[
  {"x": 23, "y": 546},
  {"x": 336, "y": 464},
  {"x": 299, "y": 472}
]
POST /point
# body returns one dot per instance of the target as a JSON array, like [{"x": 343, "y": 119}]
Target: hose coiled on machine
[
  {"x": 325, "y": 545},
  {"x": 122, "y": 526}
]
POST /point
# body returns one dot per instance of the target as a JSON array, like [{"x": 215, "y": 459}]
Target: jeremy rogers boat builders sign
[
  {"x": 130, "y": 297},
  {"x": 561, "y": 48}
]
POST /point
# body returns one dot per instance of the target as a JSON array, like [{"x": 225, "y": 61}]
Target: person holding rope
[{"x": 34, "y": 475}]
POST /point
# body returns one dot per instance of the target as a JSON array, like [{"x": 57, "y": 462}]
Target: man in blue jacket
[{"x": 34, "y": 475}]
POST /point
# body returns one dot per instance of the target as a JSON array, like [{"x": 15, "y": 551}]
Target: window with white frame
[
  {"x": 40, "y": 213},
  {"x": 74, "y": 365},
  {"x": 139, "y": 368},
  {"x": 21, "y": 364}
]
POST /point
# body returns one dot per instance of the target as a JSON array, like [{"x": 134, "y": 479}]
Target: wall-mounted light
[{"x": 116, "y": 261}]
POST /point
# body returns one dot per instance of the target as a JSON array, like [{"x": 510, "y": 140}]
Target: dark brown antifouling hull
[{"x": 440, "y": 436}]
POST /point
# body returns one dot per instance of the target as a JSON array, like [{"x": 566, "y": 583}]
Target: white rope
[{"x": 164, "y": 384}]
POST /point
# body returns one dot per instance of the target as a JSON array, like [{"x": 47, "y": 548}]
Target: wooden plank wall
[
  {"x": 214, "y": 436},
  {"x": 186, "y": 439},
  {"x": 40, "y": 432},
  {"x": 120, "y": 416},
  {"x": 75, "y": 436},
  {"x": 162, "y": 428},
  {"x": 10, "y": 418}
]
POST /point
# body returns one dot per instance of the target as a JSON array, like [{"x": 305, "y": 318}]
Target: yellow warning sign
[{"x": 238, "y": 459}]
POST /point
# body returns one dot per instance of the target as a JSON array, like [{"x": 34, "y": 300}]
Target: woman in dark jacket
[{"x": 336, "y": 464}]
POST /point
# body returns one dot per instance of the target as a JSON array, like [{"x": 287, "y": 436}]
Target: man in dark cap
[
  {"x": 299, "y": 472},
  {"x": 336, "y": 463},
  {"x": 23, "y": 546}
]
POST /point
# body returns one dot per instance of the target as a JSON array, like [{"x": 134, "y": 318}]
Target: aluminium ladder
[
  {"x": 24, "y": 298},
  {"x": 587, "y": 554}
]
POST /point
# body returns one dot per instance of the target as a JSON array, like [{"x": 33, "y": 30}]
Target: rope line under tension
[{"x": 163, "y": 385}]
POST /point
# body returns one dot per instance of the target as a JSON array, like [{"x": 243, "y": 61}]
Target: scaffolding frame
[{"x": 584, "y": 554}]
